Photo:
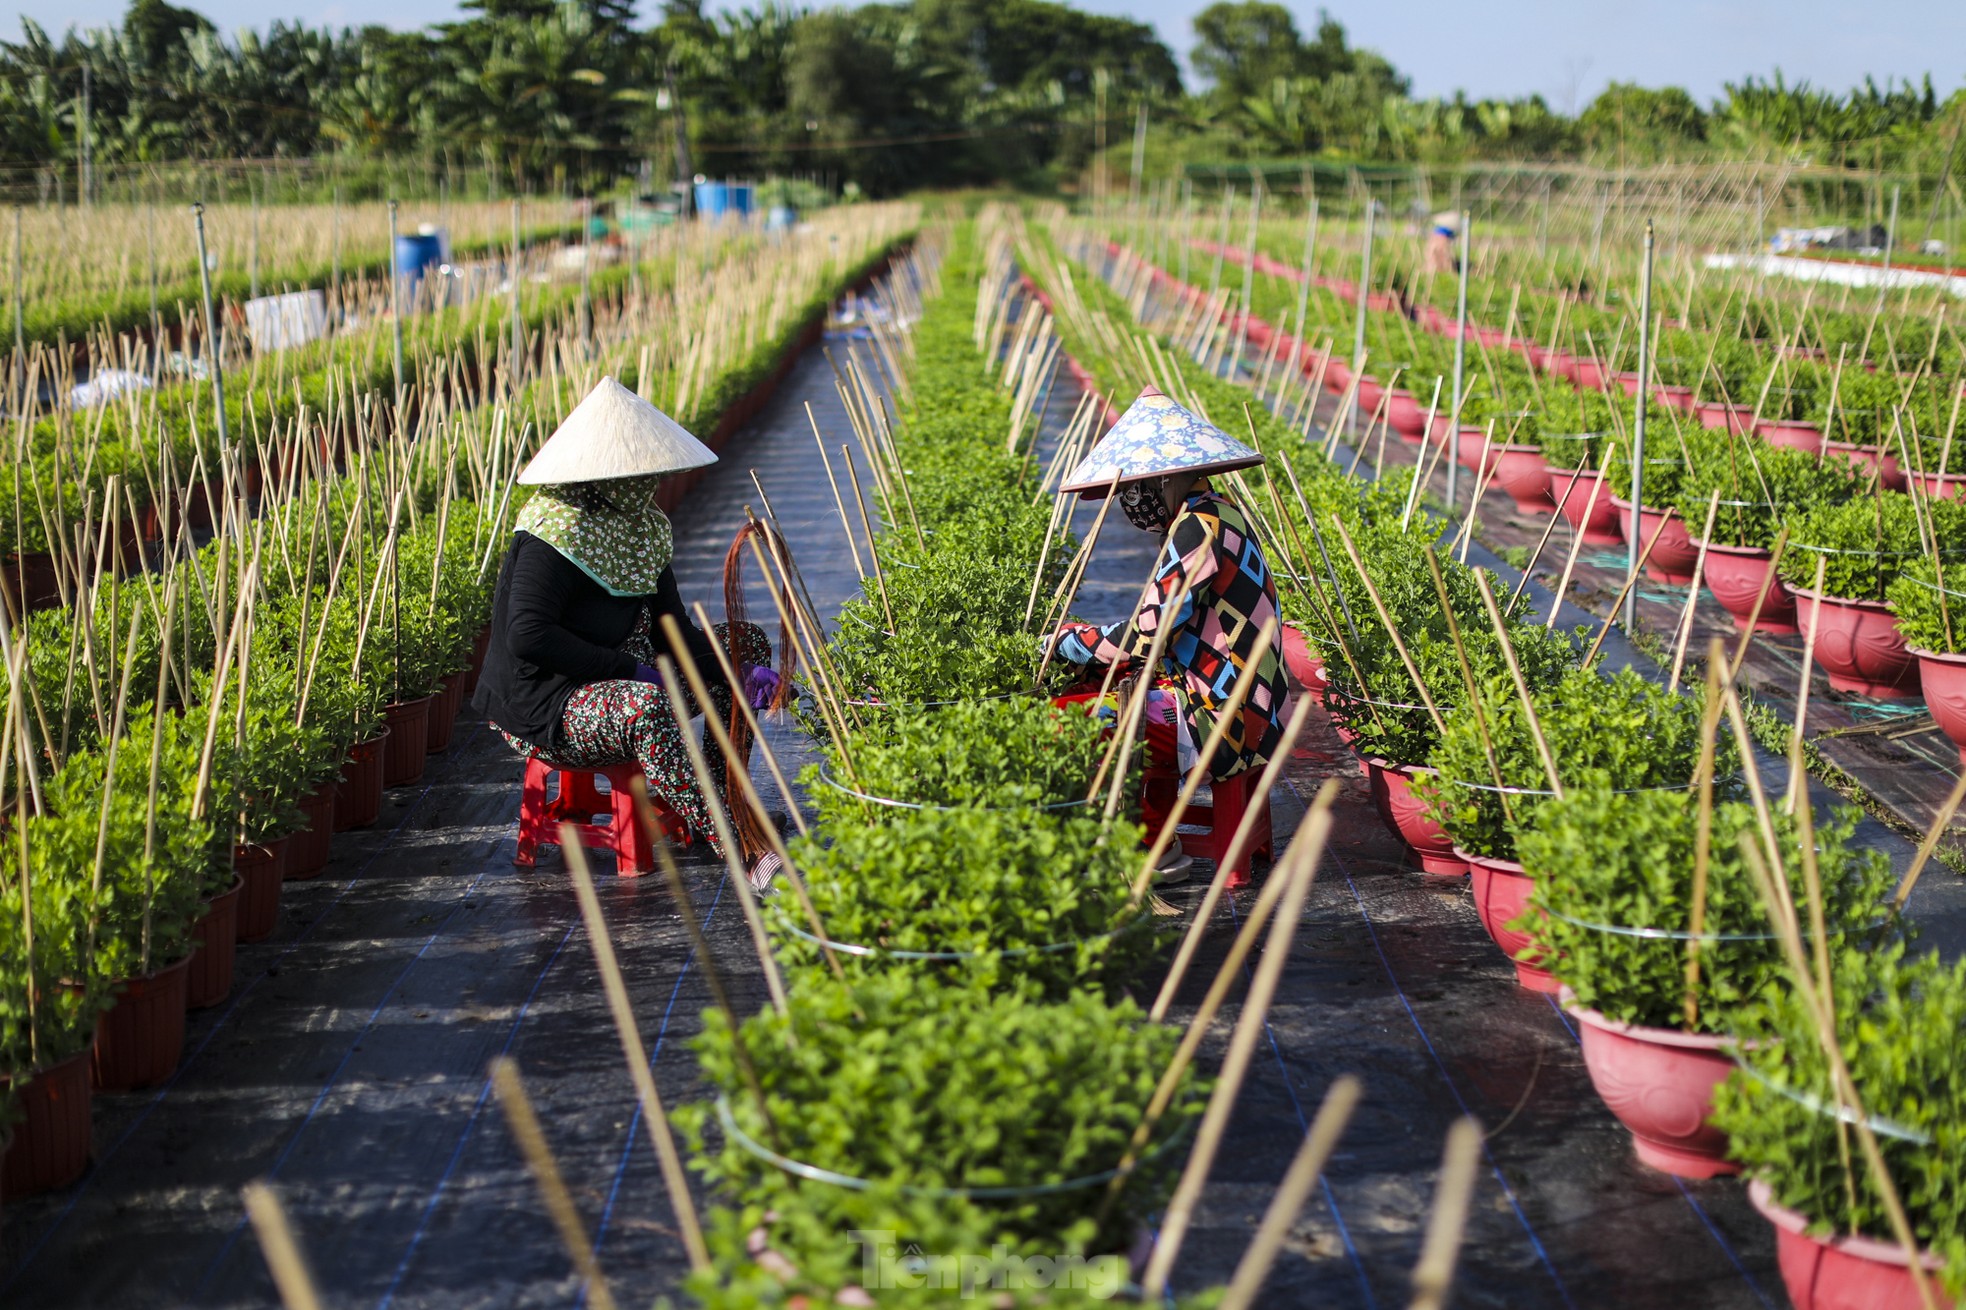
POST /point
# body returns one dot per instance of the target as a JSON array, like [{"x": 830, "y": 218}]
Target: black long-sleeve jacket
[{"x": 555, "y": 630}]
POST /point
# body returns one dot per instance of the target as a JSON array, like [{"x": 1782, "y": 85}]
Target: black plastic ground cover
[{"x": 349, "y": 1065}]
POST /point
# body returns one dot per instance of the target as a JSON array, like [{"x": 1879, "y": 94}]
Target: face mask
[{"x": 1145, "y": 505}]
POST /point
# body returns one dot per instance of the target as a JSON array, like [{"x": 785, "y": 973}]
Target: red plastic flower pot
[
  {"x": 1805, "y": 437},
  {"x": 261, "y": 870},
  {"x": 209, "y": 980},
  {"x": 480, "y": 644},
  {"x": 1521, "y": 472},
  {"x": 1736, "y": 575},
  {"x": 1298, "y": 658},
  {"x": 1866, "y": 458},
  {"x": 1468, "y": 447},
  {"x": 1945, "y": 486},
  {"x": 1858, "y": 645},
  {"x": 1404, "y": 415},
  {"x": 140, "y": 1038},
  {"x": 51, "y": 1144},
  {"x": 1659, "y": 1082},
  {"x": 1841, "y": 1273},
  {"x": 1944, "y": 680},
  {"x": 1722, "y": 416},
  {"x": 1598, "y": 519},
  {"x": 309, "y": 846},
  {"x": 358, "y": 798},
  {"x": 444, "y": 710},
  {"x": 1679, "y": 398},
  {"x": 1588, "y": 374},
  {"x": 1337, "y": 376},
  {"x": 409, "y": 731},
  {"x": 1370, "y": 389},
  {"x": 1406, "y": 814},
  {"x": 1629, "y": 382},
  {"x": 1674, "y": 556},
  {"x": 1501, "y": 892}
]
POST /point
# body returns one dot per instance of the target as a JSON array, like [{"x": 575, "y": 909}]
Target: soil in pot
[
  {"x": 1858, "y": 645},
  {"x": 1406, "y": 814},
  {"x": 51, "y": 1146},
  {"x": 1501, "y": 892},
  {"x": 1659, "y": 1082},
  {"x": 309, "y": 846},
  {"x": 140, "y": 1038},
  {"x": 358, "y": 798},
  {"x": 406, "y": 753},
  {"x": 1840, "y": 1273},
  {"x": 261, "y": 870},
  {"x": 1674, "y": 555},
  {"x": 1943, "y": 678},
  {"x": 1602, "y": 525},
  {"x": 1736, "y": 575},
  {"x": 209, "y": 979}
]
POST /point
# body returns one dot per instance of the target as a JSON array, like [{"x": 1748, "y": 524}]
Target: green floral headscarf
[{"x": 613, "y": 530}]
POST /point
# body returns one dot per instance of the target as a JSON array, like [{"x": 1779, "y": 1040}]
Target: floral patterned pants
[{"x": 619, "y": 722}]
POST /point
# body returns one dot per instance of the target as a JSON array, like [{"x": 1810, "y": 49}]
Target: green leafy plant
[
  {"x": 1038, "y": 899},
  {"x": 1898, "y": 1020},
  {"x": 1604, "y": 862},
  {"x": 1866, "y": 542},
  {"x": 1931, "y": 611},
  {"x": 1759, "y": 485}
]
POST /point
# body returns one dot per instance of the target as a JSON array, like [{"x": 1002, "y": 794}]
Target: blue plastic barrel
[
  {"x": 416, "y": 255},
  {"x": 742, "y": 197},
  {"x": 712, "y": 200}
]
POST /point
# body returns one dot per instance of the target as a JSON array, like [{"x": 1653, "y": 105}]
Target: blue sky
[{"x": 1565, "y": 49}]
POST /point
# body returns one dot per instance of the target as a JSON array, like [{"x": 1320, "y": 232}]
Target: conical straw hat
[
  {"x": 1157, "y": 436},
  {"x": 614, "y": 433}
]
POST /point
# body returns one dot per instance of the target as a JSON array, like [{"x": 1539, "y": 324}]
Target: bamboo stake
[
  {"x": 1329, "y": 1125},
  {"x": 1703, "y": 838},
  {"x": 1768, "y": 585},
  {"x": 1577, "y": 541},
  {"x": 284, "y": 1258},
  {"x": 545, "y": 1169},
  {"x": 654, "y": 1117},
  {"x": 751, "y": 722},
  {"x": 873, "y": 549},
  {"x": 1631, "y": 580},
  {"x": 1693, "y": 594},
  {"x": 726, "y": 837},
  {"x": 1433, "y": 1277},
  {"x": 1940, "y": 822},
  {"x": 1522, "y": 583},
  {"x": 1301, "y": 864}
]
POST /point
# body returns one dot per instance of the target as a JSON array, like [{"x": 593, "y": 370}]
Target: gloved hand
[
  {"x": 760, "y": 685},
  {"x": 647, "y": 673}
]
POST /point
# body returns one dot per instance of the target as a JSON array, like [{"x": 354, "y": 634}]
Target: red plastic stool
[
  {"x": 578, "y": 801},
  {"x": 1230, "y": 799}
]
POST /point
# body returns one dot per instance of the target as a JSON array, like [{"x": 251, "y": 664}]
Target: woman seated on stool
[
  {"x": 576, "y": 619},
  {"x": 1163, "y": 455}
]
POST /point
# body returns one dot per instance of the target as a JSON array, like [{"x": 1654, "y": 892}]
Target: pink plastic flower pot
[
  {"x": 1588, "y": 374},
  {"x": 1945, "y": 486},
  {"x": 1674, "y": 555},
  {"x": 1679, "y": 398},
  {"x": 1736, "y": 575},
  {"x": 1406, "y": 814},
  {"x": 1404, "y": 415},
  {"x": 1501, "y": 892},
  {"x": 1805, "y": 437},
  {"x": 1866, "y": 459},
  {"x": 1659, "y": 1082},
  {"x": 1468, "y": 447},
  {"x": 1841, "y": 1273},
  {"x": 1858, "y": 645},
  {"x": 1598, "y": 518},
  {"x": 1303, "y": 664},
  {"x": 1944, "y": 680},
  {"x": 1718, "y": 415},
  {"x": 1521, "y": 472},
  {"x": 1370, "y": 389}
]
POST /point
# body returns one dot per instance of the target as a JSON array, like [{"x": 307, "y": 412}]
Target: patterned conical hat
[
  {"x": 1157, "y": 436},
  {"x": 614, "y": 433}
]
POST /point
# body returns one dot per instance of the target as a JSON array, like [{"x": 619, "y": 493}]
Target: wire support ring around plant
[
  {"x": 865, "y": 704},
  {"x": 837, "y": 785},
  {"x": 1334, "y": 693},
  {"x": 1540, "y": 791},
  {"x": 1870, "y": 554},
  {"x": 870, "y": 952},
  {"x": 1933, "y": 586},
  {"x": 813, "y": 1173},
  {"x": 1810, "y": 1101}
]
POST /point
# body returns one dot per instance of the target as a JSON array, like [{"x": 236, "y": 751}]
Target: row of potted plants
[{"x": 1621, "y": 854}]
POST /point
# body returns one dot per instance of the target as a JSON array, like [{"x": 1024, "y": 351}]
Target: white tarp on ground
[
  {"x": 105, "y": 387},
  {"x": 283, "y": 322},
  {"x": 1840, "y": 273}
]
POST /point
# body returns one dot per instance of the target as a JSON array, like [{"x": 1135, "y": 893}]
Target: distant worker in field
[
  {"x": 1439, "y": 256},
  {"x": 576, "y": 619},
  {"x": 1212, "y": 592}
]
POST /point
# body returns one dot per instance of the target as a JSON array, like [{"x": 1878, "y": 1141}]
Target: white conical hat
[
  {"x": 1153, "y": 437},
  {"x": 614, "y": 433}
]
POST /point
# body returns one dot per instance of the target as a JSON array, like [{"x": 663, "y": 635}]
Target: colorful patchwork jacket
[{"x": 1231, "y": 595}]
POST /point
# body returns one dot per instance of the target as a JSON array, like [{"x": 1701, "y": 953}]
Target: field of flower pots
[{"x": 1587, "y": 960}]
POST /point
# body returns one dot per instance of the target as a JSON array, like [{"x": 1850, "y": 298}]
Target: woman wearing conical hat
[
  {"x": 1163, "y": 455},
  {"x": 576, "y": 631}
]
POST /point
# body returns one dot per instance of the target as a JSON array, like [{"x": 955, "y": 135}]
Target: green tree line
[{"x": 578, "y": 93}]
